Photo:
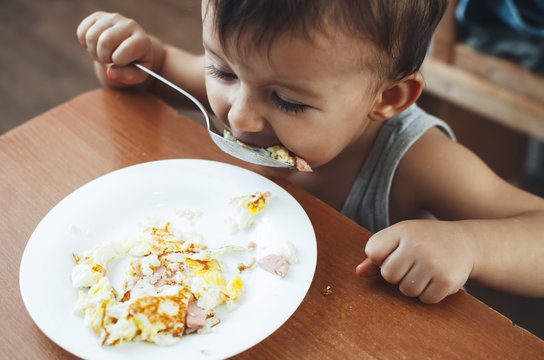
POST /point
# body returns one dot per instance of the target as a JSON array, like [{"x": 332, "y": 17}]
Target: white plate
[{"x": 113, "y": 207}]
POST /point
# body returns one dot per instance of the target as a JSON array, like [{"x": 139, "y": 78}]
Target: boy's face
[{"x": 311, "y": 96}]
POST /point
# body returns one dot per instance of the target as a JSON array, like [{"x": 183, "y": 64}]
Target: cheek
[
  {"x": 218, "y": 99},
  {"x": 320, "y": 143},
  {"x": 315, "y": 144}
]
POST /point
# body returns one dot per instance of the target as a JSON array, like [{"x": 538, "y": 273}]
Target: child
[{"x": 336, "y": 82}]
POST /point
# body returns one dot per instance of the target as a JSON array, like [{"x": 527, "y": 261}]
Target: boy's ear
[{"x": 397, "y": 97}]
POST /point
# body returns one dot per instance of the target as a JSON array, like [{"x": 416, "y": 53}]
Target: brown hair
[{"x": 400, "y": 29}]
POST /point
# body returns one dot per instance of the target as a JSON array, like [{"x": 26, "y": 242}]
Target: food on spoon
[
  {"x": 302, "y": 165},
  {"x": 277, "y": 152}
]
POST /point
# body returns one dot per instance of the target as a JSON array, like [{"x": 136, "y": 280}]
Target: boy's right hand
[
  {"x": 114, "y": 42},
  {"x": 429, "y": 259}
]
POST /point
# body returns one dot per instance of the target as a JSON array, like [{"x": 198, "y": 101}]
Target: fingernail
[{"x": 113, "y": 72}]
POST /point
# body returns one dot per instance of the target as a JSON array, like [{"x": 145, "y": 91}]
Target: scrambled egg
[
  {"x": 173, "y": 283},
  {"x": 277, "y": 152},
  {"x": 280, "y": 153},
  {"x": 248, "y": 207},
  {"x": 167, "y": 276}
]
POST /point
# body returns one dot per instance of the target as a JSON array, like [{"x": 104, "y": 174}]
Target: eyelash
[
  {"x": 215, "y": 72},
  {"x": 285, "y": 106}
]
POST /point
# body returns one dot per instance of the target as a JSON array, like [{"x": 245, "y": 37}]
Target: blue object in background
[
  {"x": 513, "y": 30},
  {"x": 505, "y": 28},
  {"x": 524, "y": 17}
]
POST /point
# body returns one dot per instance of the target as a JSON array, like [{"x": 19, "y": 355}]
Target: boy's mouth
[
  {"x": 254, "y": 139},
  {"x": 276, "y": 151}
]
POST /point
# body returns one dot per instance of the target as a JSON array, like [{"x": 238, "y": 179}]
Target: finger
[
  {"x": 109, "y": 41},
  {"x": 434, "y": 293},
  {"x": 395, "y": 267},
  {"x": 134, "y": 48},
  {"x": 415, "y": 281},
  {"x": 129, "y": 75},
  {"x": 381, "y": 245},
  {"x": 367, "y": 269},
  {"x": 93, "y": 34},
  {"x": 84, "y": 27}
]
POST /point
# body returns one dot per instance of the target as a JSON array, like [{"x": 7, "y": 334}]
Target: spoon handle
[{"x": 177, "y": 88}]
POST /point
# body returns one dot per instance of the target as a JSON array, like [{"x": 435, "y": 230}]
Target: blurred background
[
  {"x": 41, "y": 61},
  {"x": 477, "y": 76}
]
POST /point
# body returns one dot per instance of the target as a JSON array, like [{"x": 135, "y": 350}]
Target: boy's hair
[{"x": 400, "y": 29}]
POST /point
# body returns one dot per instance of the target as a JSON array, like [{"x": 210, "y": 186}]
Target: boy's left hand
[{"x": 429, "y": 259}]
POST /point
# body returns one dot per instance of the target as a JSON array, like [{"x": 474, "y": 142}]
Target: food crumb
[
  {"x": 204, "y": 352},
  {"x": 326, "y": 291},
  {"x": 243, "y": 267}
]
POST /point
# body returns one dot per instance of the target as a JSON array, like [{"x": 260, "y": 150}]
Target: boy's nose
[{"x": 243, "y": 113}]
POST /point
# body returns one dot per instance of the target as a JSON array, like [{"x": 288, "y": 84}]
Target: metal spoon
[{"x": 257, "y": 156}]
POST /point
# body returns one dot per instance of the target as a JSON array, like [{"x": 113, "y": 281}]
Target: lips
[
  {"x": 269, "y": 143},
  {"x": 254, "y": 139}
]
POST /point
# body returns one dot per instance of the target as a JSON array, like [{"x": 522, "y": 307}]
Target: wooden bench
[{"x": 498, "y": 89}]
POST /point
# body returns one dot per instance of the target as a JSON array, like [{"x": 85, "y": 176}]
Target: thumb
[
  {"x": 367, "y": 269},
  {"x": 128, "y": 75}
]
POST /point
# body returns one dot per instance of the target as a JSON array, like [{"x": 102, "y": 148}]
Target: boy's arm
[
  {"x": 491, "y": 231},
  {"x": 511, "y": 252}
]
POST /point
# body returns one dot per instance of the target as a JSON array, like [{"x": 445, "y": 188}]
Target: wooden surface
[
  {"x": 47, "y": 158},
  {"x": 481, "y": 96},
  {"x": 502, "y": 72}
]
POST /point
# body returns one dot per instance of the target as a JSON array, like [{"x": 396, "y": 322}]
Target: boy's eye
[
  {"x": 288, "y": 106},
  {"x": 223, "y": 75}
]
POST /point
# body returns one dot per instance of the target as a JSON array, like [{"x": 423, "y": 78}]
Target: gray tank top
[{"x": 368, "y": 200}]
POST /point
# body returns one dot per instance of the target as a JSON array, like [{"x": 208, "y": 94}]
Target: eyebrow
[
  {"x": 207, "y": 48},
  {"x": 299, "y": 89},
  {"x": 293, "y": 87}
]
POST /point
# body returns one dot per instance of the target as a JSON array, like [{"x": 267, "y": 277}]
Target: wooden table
[{"x": 47, "y": 158}]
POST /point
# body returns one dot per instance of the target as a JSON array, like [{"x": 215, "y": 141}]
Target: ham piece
[
  {"x": 275, "y": 264},
  {"x": 302, "y": 165},
  {"x": 162, "y": 279},
  {"x": 196, "y": 316}
]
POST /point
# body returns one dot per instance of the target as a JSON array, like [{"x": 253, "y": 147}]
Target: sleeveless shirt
[{"x": 368, "y": 200}]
